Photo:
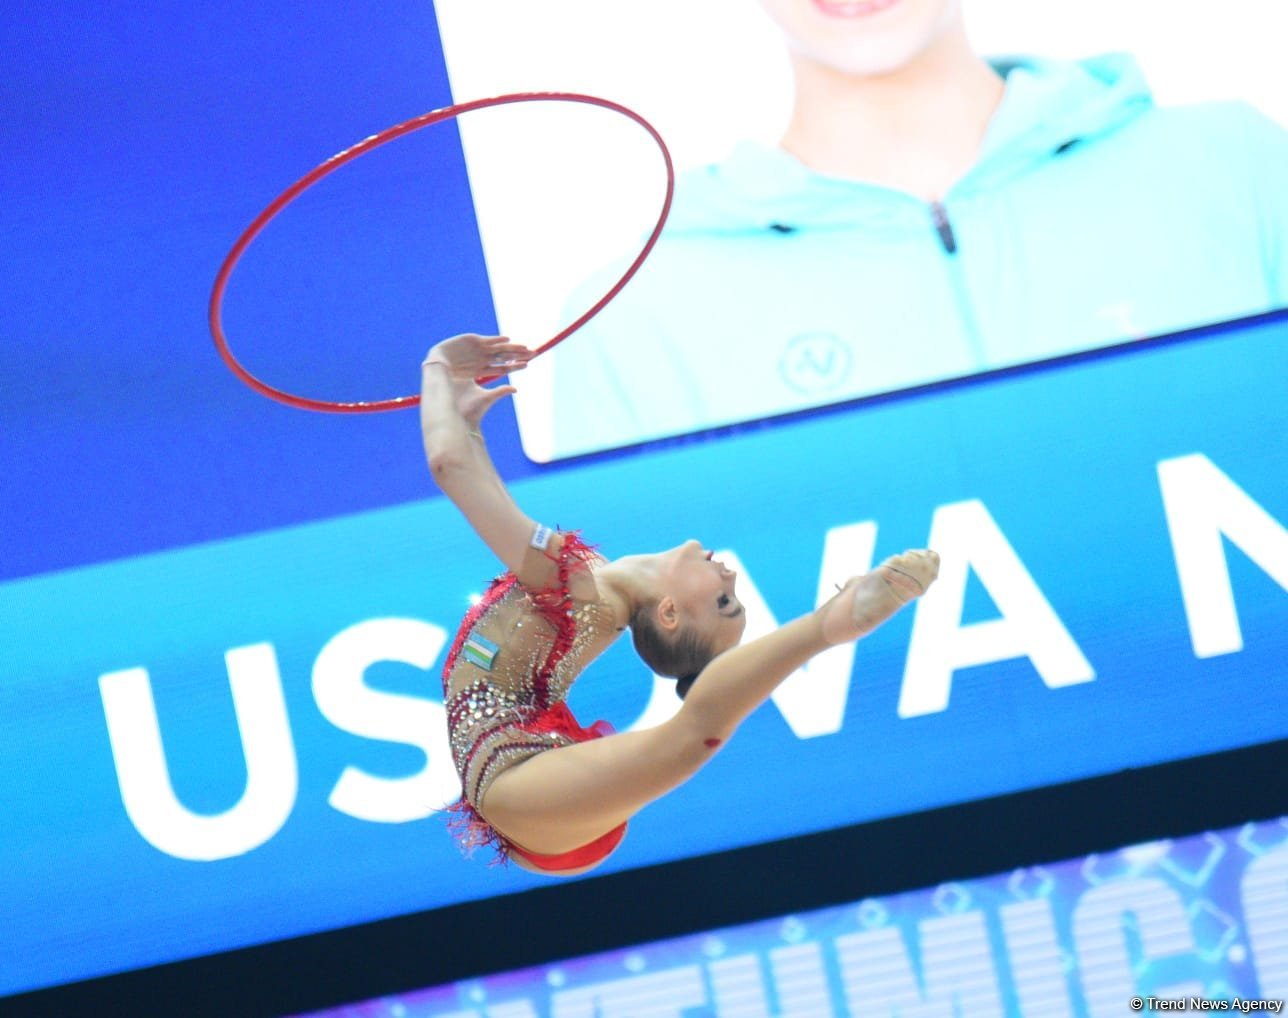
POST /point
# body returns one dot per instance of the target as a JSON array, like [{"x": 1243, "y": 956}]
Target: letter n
[{"x": 1203, "y": 506}]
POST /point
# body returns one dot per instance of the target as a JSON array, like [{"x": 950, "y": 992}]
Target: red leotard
[{"x": 507, "y": 710}]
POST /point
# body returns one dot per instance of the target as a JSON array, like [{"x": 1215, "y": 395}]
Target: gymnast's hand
[{"x": 469, "y": 357}]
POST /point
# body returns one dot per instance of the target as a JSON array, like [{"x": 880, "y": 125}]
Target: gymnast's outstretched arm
[{"x": 452, "y": 405}]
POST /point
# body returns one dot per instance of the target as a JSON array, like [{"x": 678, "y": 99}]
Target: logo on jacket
[{"x": 815, "y": 362}]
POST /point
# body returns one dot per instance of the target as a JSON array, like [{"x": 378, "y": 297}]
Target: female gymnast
[{"x": 551, "y": 796}]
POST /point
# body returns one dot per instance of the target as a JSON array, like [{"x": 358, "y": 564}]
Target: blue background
[
  {"x": 155, "y": 513},
  {"x": 1100, "y": 552},
  {"x": 140, "y": 148}
]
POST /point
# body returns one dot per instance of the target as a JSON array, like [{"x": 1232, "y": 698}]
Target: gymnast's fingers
[
  {"x": 509, "y": 360},
  {"x": 490, "y": 397}
]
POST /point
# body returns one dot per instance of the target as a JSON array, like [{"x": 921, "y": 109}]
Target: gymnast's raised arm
[{"x": 452, "y": 405}]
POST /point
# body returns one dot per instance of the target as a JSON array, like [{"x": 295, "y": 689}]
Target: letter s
[{"x": 352, "y": 706}]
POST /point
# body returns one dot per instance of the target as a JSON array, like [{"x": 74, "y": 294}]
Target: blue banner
[{"x": 242, "y": 741}]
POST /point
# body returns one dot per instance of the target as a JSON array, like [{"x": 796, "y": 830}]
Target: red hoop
[{"x": 375, "y": 141}]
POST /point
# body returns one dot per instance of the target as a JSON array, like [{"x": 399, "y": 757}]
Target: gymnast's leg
[{"x": 567, "y": 797}]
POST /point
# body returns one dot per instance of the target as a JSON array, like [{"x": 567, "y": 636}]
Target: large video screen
[
  {"x": 840, "y": 230},
  {"x": 223, "y": 621}
]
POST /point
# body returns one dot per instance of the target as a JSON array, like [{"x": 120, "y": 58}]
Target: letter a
[{"x": 966, "y": 537}]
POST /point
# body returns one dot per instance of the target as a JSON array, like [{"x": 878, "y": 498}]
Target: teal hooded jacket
[{"x": 1091, "y": 217}]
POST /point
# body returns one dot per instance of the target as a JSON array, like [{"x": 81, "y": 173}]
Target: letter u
[{"x": 272, "y": 779}]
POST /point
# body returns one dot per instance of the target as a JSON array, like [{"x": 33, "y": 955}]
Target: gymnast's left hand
[{"x": 468, "y": 356}]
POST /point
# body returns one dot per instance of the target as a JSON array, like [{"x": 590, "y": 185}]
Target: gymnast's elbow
[{"x": 446, "y": 460}]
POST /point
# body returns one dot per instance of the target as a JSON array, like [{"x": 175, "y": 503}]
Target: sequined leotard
[{"x": 507, "y": 675}]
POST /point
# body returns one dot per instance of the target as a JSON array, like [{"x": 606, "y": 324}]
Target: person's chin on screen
[{"x": 867, "y": 37}]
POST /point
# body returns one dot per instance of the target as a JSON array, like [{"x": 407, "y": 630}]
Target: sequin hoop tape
[{"x": 375, "y": 141}]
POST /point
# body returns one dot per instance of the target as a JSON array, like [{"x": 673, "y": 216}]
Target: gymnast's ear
[{"x": 667, "y": 613}]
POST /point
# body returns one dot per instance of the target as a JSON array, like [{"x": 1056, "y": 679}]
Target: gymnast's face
[
  {"x": 864, "y": 37},
  {"x": 702, "y": 589}
]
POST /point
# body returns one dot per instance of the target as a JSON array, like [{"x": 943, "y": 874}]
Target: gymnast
[{"x": 549, "y": 795}]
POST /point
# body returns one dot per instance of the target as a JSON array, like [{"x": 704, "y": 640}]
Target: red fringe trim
[
  {"x": 554, "y": 604},
  {"x": 468, "y": 828}
]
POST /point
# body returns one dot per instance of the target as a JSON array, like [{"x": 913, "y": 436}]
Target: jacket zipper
[
  {"x": 943, "y": 227},
  {"x": 957, "y": 280}
]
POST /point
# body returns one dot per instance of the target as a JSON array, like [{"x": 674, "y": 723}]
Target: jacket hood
[{"x": 1048, "y": 105}]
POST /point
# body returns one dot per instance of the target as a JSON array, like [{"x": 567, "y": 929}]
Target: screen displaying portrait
[{"x": 870, "y": 197}]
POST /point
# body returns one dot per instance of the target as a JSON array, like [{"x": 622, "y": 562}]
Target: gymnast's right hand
[{"x": 468, "y": 356}]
